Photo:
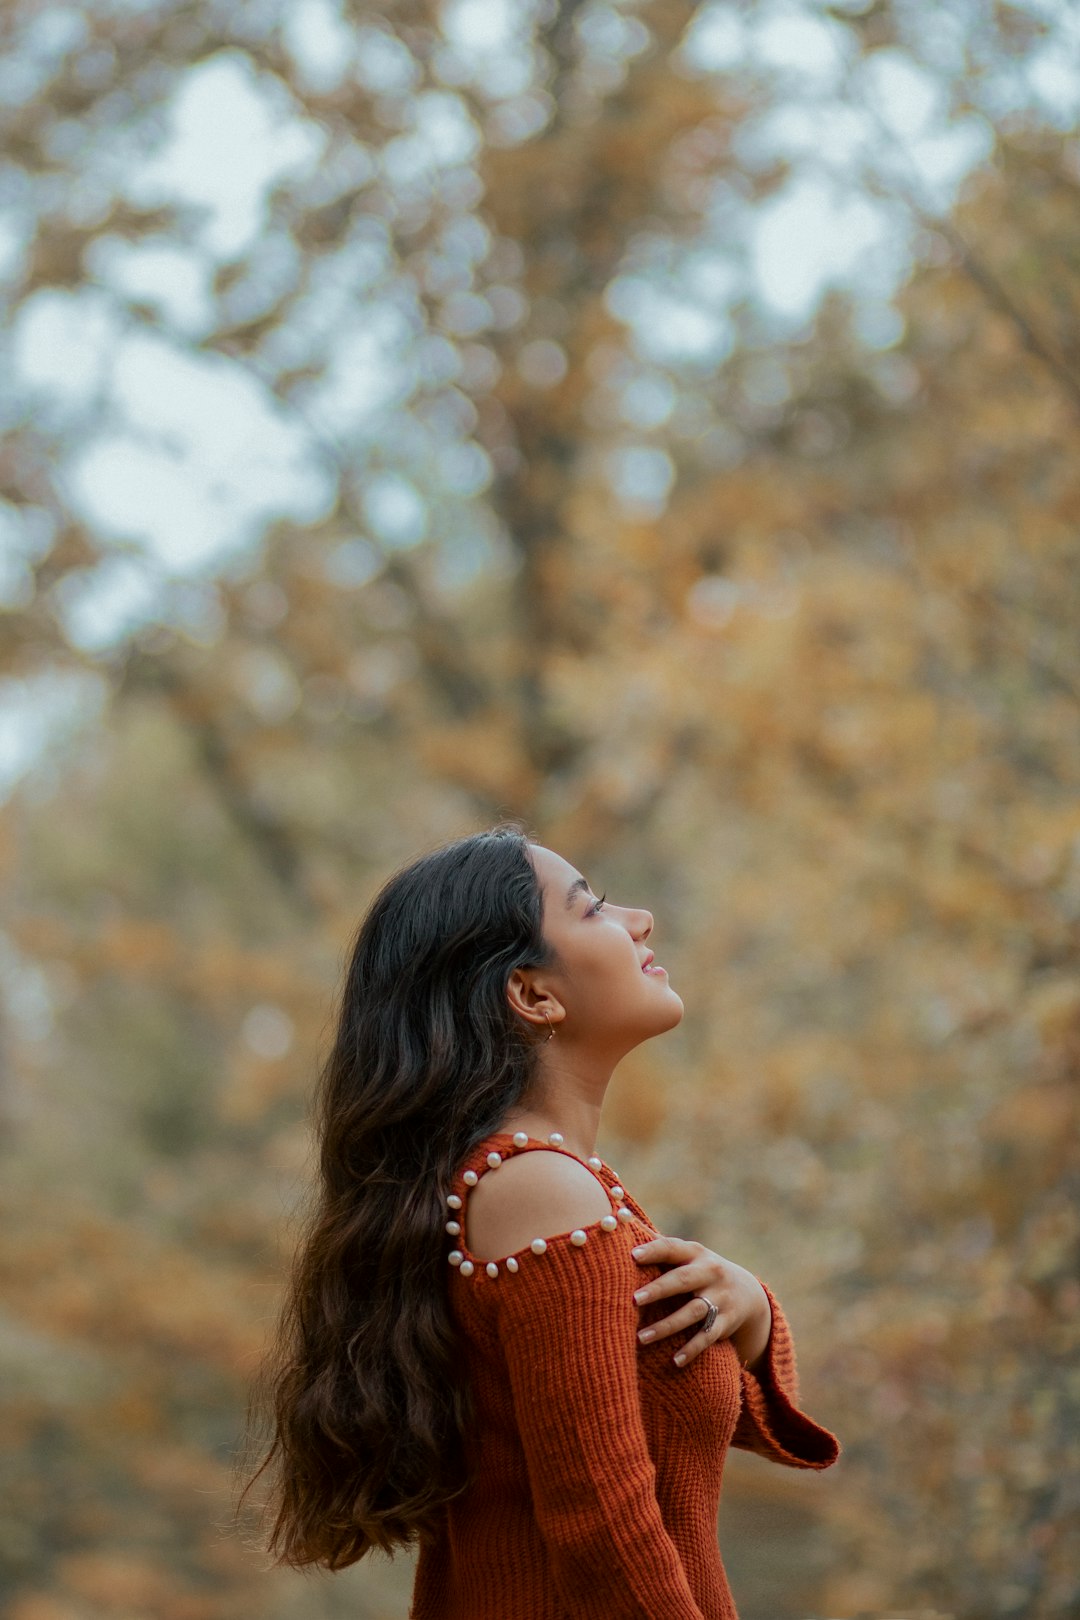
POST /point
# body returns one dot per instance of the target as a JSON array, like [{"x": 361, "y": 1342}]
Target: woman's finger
[
  {"x": 662, "y": 1248},
  {"x": 687, "y": 1316},
  {"x": 693, "y": 1347},
  {"x": 686, "y": 1279}
]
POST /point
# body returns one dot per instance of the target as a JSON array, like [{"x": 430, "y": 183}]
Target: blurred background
[{"x": 657, "y": 421}]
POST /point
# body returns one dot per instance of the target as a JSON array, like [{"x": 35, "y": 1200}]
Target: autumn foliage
[{"x": 815, "y": 706}]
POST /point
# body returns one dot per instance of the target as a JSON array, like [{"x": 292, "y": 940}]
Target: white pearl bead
[
  {"x": 579, "y": 1237},
  {"x": 470, "y": 1178},
  {"x": 556, "y": 1138},
  {"x": 455, "y": 1257},
  {"x": 608, "y": 1222},
  {"x": 454, "y": 1201},
  {"x": 538, "y": 1245},
  {"x": 492, "y": 1269},
  {"x": 494, "y": 1159},
  {"x": 467, "y": 1268},
  {"x": 454, "y": 1228},
  {"x": 597, "y": 1164},
  {"x": 521, "y": 1138},
  {"x": 626, "y": 1213},
  {"x": 617, "y": 1193},
  {"x": 511, "y": 1264}
]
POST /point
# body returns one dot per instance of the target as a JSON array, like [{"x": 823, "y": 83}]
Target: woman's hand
[{"x": 745, "y": 1315}]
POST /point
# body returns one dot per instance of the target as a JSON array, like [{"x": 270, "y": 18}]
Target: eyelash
[{"x": 594, "y": 909}]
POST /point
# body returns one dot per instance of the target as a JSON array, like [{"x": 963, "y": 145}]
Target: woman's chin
[
  {"x": 675, "y": 1007},
  {"x": 679, "y": 1003}
]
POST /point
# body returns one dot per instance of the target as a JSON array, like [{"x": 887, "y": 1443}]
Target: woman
[{"x": 488, "y": 1351}]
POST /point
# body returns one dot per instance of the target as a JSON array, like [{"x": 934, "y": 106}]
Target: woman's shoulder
[
  {"x": 534, "y": 1193},
  {"x": 516, "y": 1196}
]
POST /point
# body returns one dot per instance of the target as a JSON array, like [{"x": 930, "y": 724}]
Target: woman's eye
[{"x": 595, "y": 908}]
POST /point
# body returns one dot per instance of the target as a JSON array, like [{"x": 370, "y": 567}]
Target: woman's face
[{"x": 611, "y": 993}]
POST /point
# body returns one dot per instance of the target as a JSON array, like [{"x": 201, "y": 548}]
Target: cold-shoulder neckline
[
  {"x": 535, "y": 1141},
  {"x": 476, "y": 1163}
]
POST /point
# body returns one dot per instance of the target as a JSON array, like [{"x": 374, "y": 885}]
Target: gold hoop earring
[{"x": 551, "y": 1030}]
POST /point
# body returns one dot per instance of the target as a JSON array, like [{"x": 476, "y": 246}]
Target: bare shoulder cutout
[{"x": 536, "y": 1194}]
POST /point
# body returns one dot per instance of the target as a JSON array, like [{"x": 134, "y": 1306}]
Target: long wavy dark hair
[{"x": 362, "y": 1391}]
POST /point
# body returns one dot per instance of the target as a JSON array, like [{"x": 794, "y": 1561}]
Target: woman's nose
[{"x": 644, "y": 924}]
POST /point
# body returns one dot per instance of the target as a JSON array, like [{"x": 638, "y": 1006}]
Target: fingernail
[
  {"x": 679, "y": 1359},
  {"x": 640, "y": 1296},
  {"x": 647, "y": 1333},
  {"x": 639, "y": 1250}
]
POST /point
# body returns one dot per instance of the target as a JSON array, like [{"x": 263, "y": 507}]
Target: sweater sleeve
[
  {"x": 770, "y": 1421},
  {"x": 568, "y": 1327}
]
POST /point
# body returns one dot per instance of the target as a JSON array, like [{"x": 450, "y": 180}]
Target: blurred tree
[{"x": 454, "y": 469}]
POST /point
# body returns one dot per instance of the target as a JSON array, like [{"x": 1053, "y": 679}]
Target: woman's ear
[{"x": 532, "y": 1000}]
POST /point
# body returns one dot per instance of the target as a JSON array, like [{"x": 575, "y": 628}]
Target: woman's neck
[{"x": 566, "y": 1096}]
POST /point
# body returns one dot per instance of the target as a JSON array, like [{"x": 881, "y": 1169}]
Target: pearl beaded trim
[{"x": 579, "y": 1237}]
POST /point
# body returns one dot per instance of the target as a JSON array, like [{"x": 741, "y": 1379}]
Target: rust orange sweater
[{"x": 598, "y": 1462}]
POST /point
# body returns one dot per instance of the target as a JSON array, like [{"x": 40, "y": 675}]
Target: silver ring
[{"x": 713, "y": 1313}]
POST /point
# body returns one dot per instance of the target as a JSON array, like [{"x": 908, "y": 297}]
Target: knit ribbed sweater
[{"x": 597, "y": 1462}]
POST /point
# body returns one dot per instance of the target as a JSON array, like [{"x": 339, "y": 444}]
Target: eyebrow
[{"x": 578, "y": 883}]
